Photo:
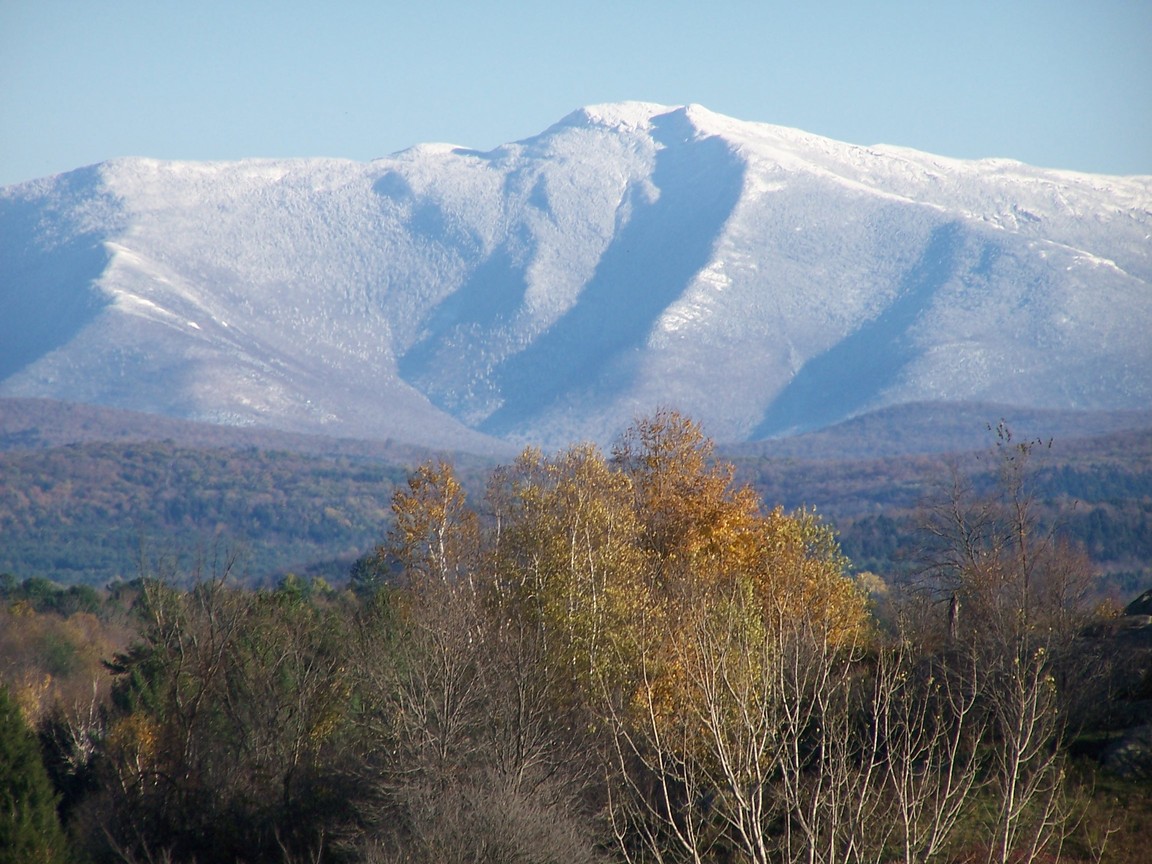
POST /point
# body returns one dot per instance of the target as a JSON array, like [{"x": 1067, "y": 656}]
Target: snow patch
[{"x": 632, "y": 254}]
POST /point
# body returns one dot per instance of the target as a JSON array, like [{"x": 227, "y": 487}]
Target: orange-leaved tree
[
  {"x": 739, "y": 661},
  {"x": 663, "y": 598}
]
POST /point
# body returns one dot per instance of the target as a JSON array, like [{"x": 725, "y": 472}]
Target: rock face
[
  {"x": 759, "y": 278},
  {"x": 1142, "y": 605},
  {"x": 1130, "y": 755}
]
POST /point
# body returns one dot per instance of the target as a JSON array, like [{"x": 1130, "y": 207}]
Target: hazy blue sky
[{"x": 1059, "y": 84}]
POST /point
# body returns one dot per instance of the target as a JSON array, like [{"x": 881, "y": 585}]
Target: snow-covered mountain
[{"x": 759, "y": 278}]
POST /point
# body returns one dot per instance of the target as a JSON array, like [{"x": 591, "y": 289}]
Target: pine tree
[{"x": 29, "y": 825}]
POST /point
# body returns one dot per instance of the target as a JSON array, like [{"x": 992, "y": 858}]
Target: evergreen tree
[{"x": 29, "y": 826}]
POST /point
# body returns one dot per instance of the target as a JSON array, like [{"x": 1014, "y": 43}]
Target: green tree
[
  {"x": 29, "y": 826},
  {"x": 228, "y": 710}
]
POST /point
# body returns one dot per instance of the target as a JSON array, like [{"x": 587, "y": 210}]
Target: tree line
[
  {"x": 80, "y": 513},
  {"x": 623, "y": 657}
]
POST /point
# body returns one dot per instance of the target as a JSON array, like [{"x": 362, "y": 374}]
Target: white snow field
[{"x": 759, "y": 278}]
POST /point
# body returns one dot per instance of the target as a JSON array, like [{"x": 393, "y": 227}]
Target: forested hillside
[
  {"x": 88, "y": 491},
  {"x": 626, "y": 657},
  {"x": 1095, "y": 492},
  {"x": 83, "y": 512},
  {"x": 763, "y": 279}
]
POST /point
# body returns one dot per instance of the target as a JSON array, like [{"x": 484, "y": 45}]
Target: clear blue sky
[{"x": 1062, "y": 83}]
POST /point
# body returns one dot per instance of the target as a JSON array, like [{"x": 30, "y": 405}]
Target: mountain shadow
[
  {"x": 46, "y": 297},
  {"x": 493, "y": 293},
  {"x": 846, "y": 377},
  {"x": 650, "y": 262}
]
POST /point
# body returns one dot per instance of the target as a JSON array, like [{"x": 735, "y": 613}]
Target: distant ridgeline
[
  {"x": 89, "y": 513},
  {"x": 758, "y": 278}
]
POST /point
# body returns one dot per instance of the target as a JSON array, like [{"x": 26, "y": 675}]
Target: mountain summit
[{"x": 762, "y": 279}]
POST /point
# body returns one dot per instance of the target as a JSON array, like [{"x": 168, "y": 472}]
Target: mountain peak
[
  {"x": 639, "y": 117},
  {"x": 759, "y": 278},
  {"x": 630, "y": 116}
]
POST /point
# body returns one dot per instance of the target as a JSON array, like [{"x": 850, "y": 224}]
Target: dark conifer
[{"x": 29, "y": 825}]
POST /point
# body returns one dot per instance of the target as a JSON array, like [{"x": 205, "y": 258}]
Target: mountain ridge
[
  {"x": 762, "y": 279},
  {"x": 95, "y": 489}
]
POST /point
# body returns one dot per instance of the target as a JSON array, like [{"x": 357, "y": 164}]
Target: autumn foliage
[{"x": 623, "y": 656}]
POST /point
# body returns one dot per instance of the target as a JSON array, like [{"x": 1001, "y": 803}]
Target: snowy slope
[{"x": 760, "y": 278}]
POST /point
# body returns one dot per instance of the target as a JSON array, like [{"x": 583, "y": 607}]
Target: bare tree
[
  {"x": 477, "y": 759},
  {"x": 1021, "y": 595},
  {"x": 928, "y": 730},
  {"x": 744, "y": 740}
]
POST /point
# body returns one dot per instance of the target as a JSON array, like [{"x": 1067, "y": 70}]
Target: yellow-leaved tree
[
  {"x": 704, "y": 630},
  {"x": 567, "y": 561},
  {"x": 434, "y": 535},
  {"x": 750, "y": 620}
]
